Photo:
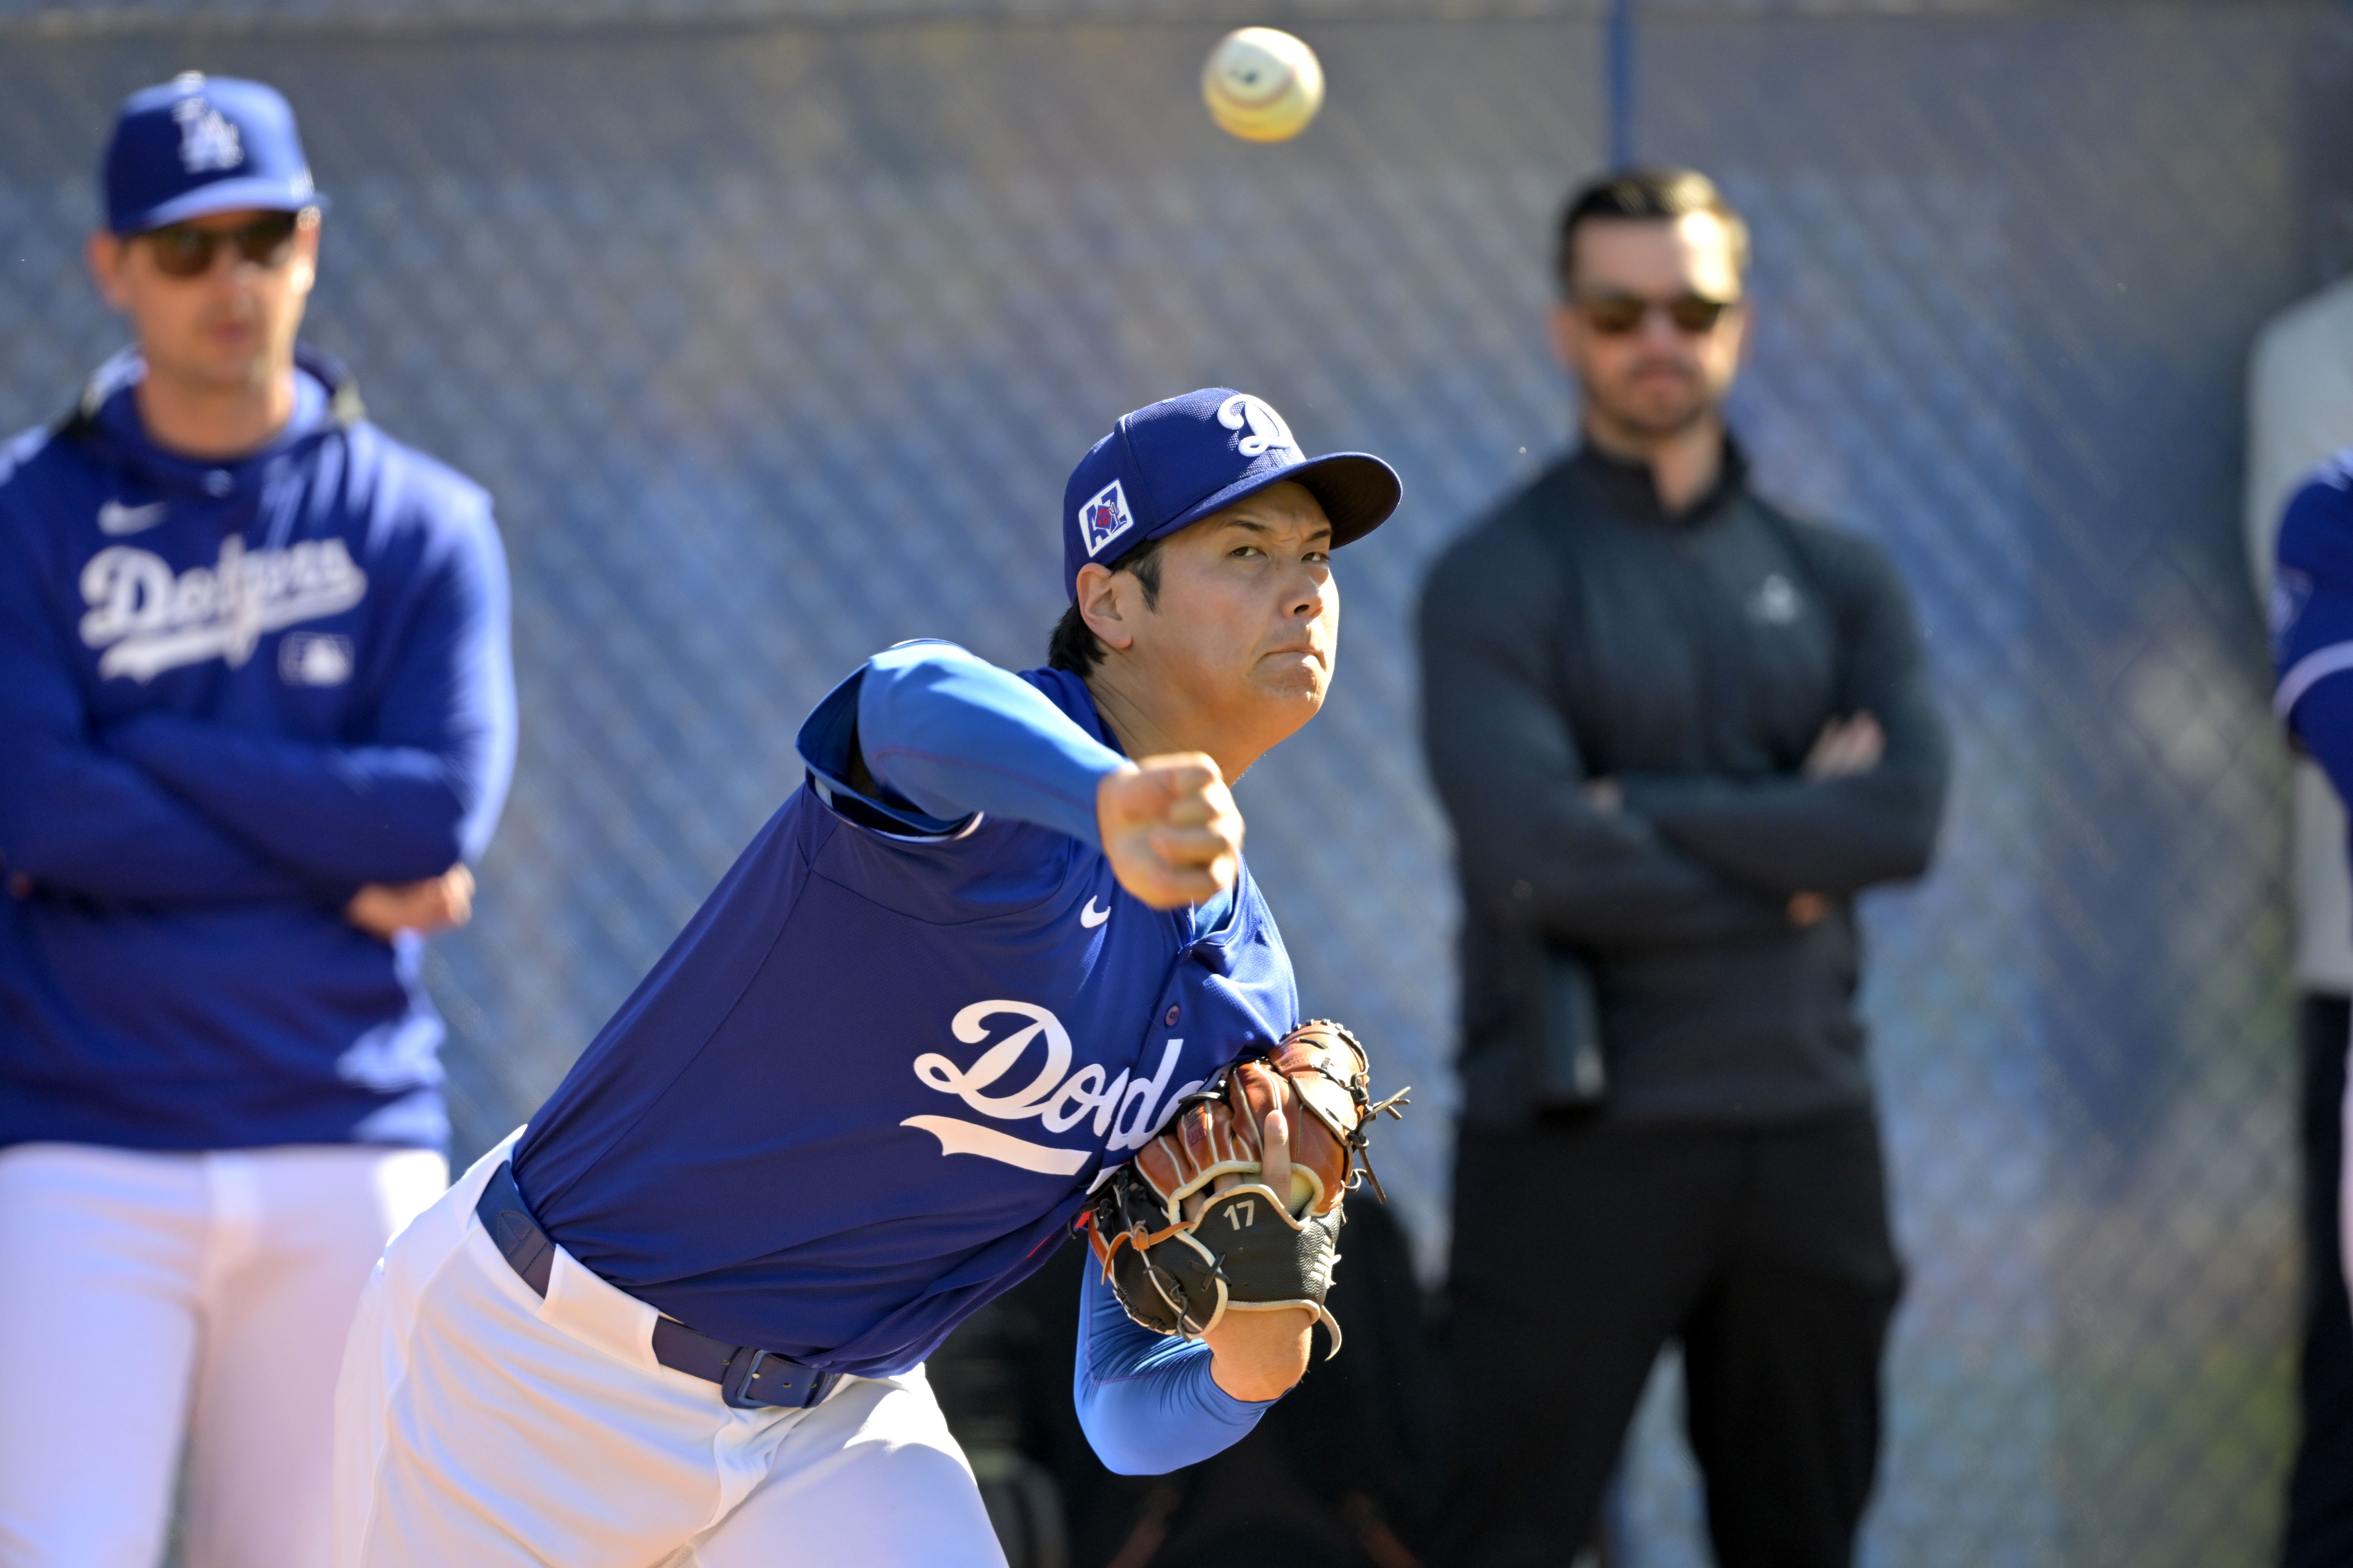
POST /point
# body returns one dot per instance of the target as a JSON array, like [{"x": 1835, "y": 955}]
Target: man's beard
[{"x": 1651, "y": 419}]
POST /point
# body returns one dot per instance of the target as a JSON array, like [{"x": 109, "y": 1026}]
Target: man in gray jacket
[{"x": 1676, "y": 730}]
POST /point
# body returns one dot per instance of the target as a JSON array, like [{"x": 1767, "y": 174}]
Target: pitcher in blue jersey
[{"x": 964, "y": 972}]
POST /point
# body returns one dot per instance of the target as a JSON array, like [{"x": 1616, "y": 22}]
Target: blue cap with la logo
[
  {"x": 1169, "y": 466},
  {"x": 201, "y": 144}
]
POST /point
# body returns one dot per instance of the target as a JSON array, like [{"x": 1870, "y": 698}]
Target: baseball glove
[{"x": 1193, "y": 1227}]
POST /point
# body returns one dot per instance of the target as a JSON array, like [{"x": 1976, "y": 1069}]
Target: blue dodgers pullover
[
  {"x": 234, "y": 693},
  {"x": 870, "y": 1084}
]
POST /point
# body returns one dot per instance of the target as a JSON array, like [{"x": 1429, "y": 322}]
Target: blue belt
[{"x": 748, "y": 1379}]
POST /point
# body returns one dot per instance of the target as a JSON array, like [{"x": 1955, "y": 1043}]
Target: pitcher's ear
[{"x": 1107, "y": 600}]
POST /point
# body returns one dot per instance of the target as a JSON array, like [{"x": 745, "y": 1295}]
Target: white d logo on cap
[{"x": 1266, "y": 427}]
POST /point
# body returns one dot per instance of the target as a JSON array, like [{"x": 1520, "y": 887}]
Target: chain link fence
[{"x": 774, "y": 332}]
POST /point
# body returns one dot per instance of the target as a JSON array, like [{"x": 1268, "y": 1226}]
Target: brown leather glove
[{"x": 1193, "y": 1227}]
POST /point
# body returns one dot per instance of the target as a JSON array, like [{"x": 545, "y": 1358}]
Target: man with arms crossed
[
  {"x": 255, "y": 689},
  {"x": 1677, "y": 729},
  {"x": 959, "y": 978}
]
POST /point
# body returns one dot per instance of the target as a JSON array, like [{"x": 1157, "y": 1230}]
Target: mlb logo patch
[
  {"x": 314, "y": 658},
  {"x": 1104, "y": 518}
]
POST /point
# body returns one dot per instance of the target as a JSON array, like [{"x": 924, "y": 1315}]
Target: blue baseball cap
[
  {"x": 1169, "y": 466},
  {"x": 201, "y": 144}
]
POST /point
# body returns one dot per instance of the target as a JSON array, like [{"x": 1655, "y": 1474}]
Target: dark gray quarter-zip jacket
[{"x": 1580, "y": 632}]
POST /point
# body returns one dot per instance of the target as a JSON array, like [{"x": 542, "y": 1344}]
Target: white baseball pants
[
  {"x": 478, "y": 1424},
  {"x": 145, "y": 1298}
]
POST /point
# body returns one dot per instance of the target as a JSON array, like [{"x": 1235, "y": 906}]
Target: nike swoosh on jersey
[
  {"x": 115, "y": 518},
  {"x": 1091, "y": 917},
  {"x": 970, "y": 1138}
]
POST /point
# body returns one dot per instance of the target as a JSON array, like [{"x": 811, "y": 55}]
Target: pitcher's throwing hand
[{"x": 1170, "y": 829}]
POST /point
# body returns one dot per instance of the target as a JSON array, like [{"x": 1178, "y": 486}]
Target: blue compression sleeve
[
  {"x": 425, "y": 794},
  {"x": 1147, "y": 1400},
  {"x": 954, "y": 734}
]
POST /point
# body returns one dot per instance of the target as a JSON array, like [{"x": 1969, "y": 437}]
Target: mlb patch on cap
[
  {"x": 201, "y": 144},
  {"x": 1169, "y": 466},
  {"x": 1104, "y": 518}
]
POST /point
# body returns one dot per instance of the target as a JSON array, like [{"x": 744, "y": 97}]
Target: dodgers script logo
[
  {"x": 1266, "y": 429},
  {"x": 208, "y": 139},
  {"x": 1104, "y": 518},
  {"x": 150, "y": 621},
  {"x": 1126, "y": 1110}
]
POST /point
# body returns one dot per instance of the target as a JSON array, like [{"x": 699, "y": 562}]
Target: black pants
[
  {"x": 1581, "y": 1251},
  {"x": 2320, "y": 1489}
]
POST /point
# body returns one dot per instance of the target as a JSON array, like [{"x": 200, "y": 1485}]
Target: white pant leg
[
  {"x": 476, "y": 1424},
  {"x": 296, "y": 1233},
  {"x": 872, "y": 1479},
  {"x": 101, "y": 1255}
]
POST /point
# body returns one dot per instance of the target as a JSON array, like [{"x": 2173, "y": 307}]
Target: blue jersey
[
  {"x": 233, "y": 692},
  {"x": 870, "y": 1084}
]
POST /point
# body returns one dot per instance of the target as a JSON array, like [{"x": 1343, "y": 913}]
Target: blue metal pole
[{"x": 1620, "y": 46}]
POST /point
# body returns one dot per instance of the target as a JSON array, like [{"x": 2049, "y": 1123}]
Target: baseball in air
[{"x": 1263, "y": 85}]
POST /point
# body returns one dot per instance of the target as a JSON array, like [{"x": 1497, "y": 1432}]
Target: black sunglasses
[
  {"x": 183, "y": 251},
  {"x": 1615, "y": 315}
]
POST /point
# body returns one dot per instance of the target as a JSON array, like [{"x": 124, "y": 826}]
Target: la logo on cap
[
  {"x": 1104, "y": 518},
  {"x": 208, "y": 139}
]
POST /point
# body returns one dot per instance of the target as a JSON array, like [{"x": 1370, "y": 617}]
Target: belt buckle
[
  {"x": 743, "y": 1370},
  {"x": 735, "y": 1388}
]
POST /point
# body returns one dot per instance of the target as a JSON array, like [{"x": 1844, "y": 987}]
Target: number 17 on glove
[{"x": 1235, "y": 1205}]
